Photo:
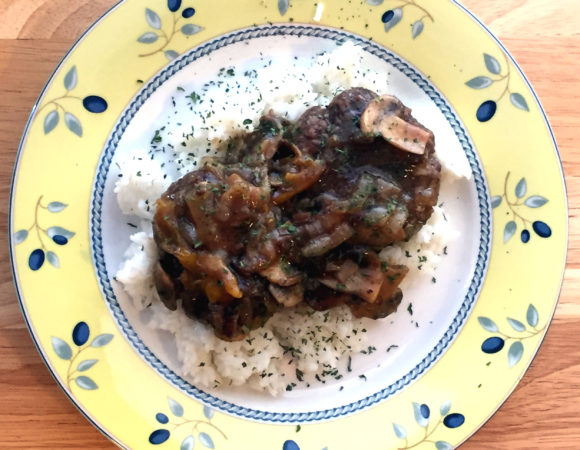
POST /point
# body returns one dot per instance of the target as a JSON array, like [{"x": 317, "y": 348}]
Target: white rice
[{"x": 296, "y": 347}]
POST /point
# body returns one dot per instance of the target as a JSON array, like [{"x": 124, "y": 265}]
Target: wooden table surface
[{"x": 542, "y": 35}]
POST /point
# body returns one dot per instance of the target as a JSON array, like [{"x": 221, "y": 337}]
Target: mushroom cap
[{"x": 383, "y": 117}]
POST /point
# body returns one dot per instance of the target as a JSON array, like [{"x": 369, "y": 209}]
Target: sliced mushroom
[
  {"x": 380, "y": 226},
  {"x": 323, "y": 244},
  {"x": 379, "y": 309},
  {"x": 348, "y": 277},
  {"x": 393, "y": 275},
  {"x": 287, "y": 296},
  {"x": 382, "y": 117},
  {"x": 282, "y": 274}
]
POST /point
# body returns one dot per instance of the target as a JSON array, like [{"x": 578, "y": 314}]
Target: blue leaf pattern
[
  {"x": 208, "y": 412},
  {"x": 102, "y": 340},
  {"x": 73, "y": 124},
  {"x": 283, "y": 6},
  {"x": 148, "y": 38},
  {"x": 422, "y": 412},
  {"x": 487, "y": 324},
  {"x": 86, "y": 364},
  {"x": 55, "y": 207},
  {"x": 517, "y": 213},
  {"x": 20, "y": 236},
  {"x": 171, "y": 54},
  {"x": 519, "y": 101},
  {"x": 509, "y": 231},
  {"x": 175, "y": 407},
  {"x": 515, "y": 353},
  {"x": 516, "y": 324},
  {"x": 480, "y": 82},
  {"x": 206, "y": 440},
  {"x": 86, "y": 383},
  {"x": 496, "y": 201},
  {"x": 535, "y": 201},
  {"x": 152, "y": 19},
  {"x": 53, "y": 260},
  {"x": 61, "y": 348},
  {"x": 400, "y": 432},
  {"x": 417, "y": 28},
  {"x": 190, "y": 29},
  {"x": 80, "y": 336},
  {"x": 532, "y": 316},
  {"x": 488, "y": 108},
  {"x": 516, "y": 348},
  {"x": 492, "y": 64},
  {"x": 51, "y": 121},
  {"x": 187, "y": 443},
  {"x": 71, "y": 79},
  {"x": 521, "y": 188}
]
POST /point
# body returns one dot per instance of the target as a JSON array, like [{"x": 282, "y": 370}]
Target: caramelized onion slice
[
  {"x": 309, "y": 171},
  {"x": 165, "y": 287}
]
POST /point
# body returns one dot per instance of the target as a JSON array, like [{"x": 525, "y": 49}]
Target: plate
[{"x": 493, "y": 299}]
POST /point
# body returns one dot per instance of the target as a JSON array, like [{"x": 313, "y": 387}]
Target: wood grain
[{"x": 543, "y": 36}]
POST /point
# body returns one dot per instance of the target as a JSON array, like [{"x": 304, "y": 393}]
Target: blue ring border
[{"x": 336, "y": 36}]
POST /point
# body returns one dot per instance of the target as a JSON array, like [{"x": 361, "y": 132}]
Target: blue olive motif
[
  {"x": 486, "y": 110},
  {"x": 425, "y": 412},
  {"x": 290, "y": 445},
  {"x": 162, "y": 418},
  {"x": 173, "y": 5},
  {"x": 188, "y": 12},
  {"x": 542, "y": 229},
  {"x": 80, "y": 334},
  {"x": 60, "y": 240},
  {"x": 492, "y": 345},
  {"x": 454, "y": 420},
  {"x": 95, "y": 104},
  {"x": 525, "y": 236},
  {"x": 388, "y": 15},
  {"x": 159, "y": 436},
  {"x": 36, "y": 259}
]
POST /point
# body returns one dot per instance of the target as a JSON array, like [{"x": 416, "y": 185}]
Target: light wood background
[{"x": 543, "y": 36}]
